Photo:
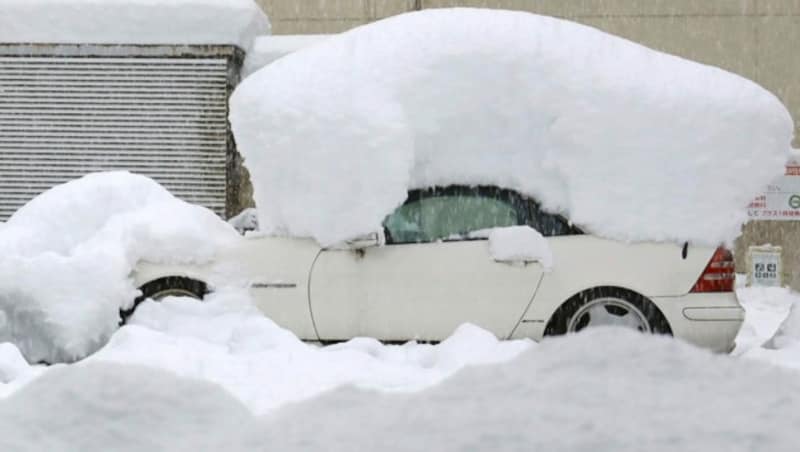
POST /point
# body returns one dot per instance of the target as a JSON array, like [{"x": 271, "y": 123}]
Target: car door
[{"x": 432, "y": 275}]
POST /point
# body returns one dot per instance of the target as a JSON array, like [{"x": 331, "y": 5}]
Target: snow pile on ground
[
  {"x": 267, "y": 49},
  {"x": 105, "y": 407},
  {"x": 225, "y": 340},
  {"x": 769, "y": 333},
  {"x": 600, "y": 390},
  {"x": 66, "y": 258},
  {"x": 789, "y": 331},
  {"x": 783, "y": 349},
  {"x": 663, "y": 394},
  {"x": 12, "y": 364},
  {"x": 611, "y": 133},
  {"x": 15, "y": 372},
  {"x": 765, "y": 309},
  {"x": 520, "y": 244},
  {"x": 236, "y": 22}
]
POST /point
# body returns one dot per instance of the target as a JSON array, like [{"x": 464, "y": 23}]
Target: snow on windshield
[
  {"x": 236, "y": 22},
  {"x": 68, "y": 254},
  {"x": 628, "y": 142}
]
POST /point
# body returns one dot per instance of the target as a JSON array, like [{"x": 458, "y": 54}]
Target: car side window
[
  {"x": 448, "y": 217},
  {"x": 457, "y": 212}
]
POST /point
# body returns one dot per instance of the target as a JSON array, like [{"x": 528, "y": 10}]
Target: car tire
[
  {"x": 158, "y": 289},
  {"x": 607, "y": 306}
]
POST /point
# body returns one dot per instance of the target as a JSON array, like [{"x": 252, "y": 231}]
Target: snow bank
[
  {"x": 629, "y": 143},
  {"x": 602, "y": 389},
  {"x": 520, "y": 244},
  {"x": 267, "y": 49},
  {"x": 12, "y": 364},
  {"x": 789, "y": 331},
  {"x": 769, "y": 333},
  {"x": 783, "y": 349},
  {"x": 235, "y": 22},
  {"x": 104, "y": 406},
  {"x": 66, "y": 257},
  {"x": 225, "y": 340},
  {"x": 599, "y": 390}
]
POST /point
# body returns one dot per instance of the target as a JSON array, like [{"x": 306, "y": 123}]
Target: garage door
[{"x": 160, "y": 111}]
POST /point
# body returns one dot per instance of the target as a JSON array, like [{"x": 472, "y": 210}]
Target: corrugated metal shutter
[{"x": 65, "y": 116}]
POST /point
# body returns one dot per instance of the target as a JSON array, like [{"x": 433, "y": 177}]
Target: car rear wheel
[
  {"x": 172, "y": 286},
  {"x": 607, "y": 307}
]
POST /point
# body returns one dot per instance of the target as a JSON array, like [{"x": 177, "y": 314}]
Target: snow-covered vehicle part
[{"x": 66, "y": 259}]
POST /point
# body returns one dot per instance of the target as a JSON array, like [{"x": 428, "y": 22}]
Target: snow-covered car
[{"x": 435, "y": 266}]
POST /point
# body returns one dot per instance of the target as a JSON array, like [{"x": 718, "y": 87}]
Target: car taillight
[{"x": 719, "y": 275}]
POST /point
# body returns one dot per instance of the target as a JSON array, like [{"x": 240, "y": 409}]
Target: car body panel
[
  {"x": 583, "y": 262},
  {"x": 418, "y": 291}
]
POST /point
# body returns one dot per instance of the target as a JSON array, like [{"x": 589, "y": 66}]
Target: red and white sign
[{"x": 781, "y": 201}]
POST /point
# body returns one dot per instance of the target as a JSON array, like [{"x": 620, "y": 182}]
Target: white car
[{"x": 424, "y": 275}]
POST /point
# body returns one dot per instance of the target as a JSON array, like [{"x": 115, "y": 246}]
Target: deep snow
[
  {"x": 236, "y": 22},
  {"x": 770, "y": 333},
  {"x": 599, "y": 390},
  {"x": 615, "y": 135},
  {"x": 603, "y": 389},
  {"x": 93, "y": 407},
  {"x": 227, "y": 341}
]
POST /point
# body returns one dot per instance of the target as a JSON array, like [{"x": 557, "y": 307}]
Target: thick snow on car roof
[
  {"x": 235, "y": 22},
  {"x": 628, "y": 142}
]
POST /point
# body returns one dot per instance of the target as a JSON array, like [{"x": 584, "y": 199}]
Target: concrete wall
[{"x": 758, "y": 39}]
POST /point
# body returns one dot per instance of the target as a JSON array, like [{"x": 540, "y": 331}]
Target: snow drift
[
  {"x": 235, "y": 22},
  {"x": 66, "y": 258},
  {"x": 630, "y": 143},
  {"x": 789, "y": 332},
  {"x": 603, "y": 389},
  {"x": 105, "y": 406},
  {"x": 642, "y": 392},
  {"x": 226, "y": 340}
]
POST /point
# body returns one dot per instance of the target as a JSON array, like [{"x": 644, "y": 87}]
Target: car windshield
[{"x": 453, "y": 213}]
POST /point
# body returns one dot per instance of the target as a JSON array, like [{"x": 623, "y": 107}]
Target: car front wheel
[{"x": 171, "y": 286}]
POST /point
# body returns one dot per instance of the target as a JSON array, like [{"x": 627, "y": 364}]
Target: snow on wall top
[
  {"x": 628, "y": 142},
  {"x": 235, "y": 22}
]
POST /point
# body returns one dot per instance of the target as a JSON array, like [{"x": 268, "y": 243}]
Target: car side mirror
[{"x": 367, "y": 241}]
